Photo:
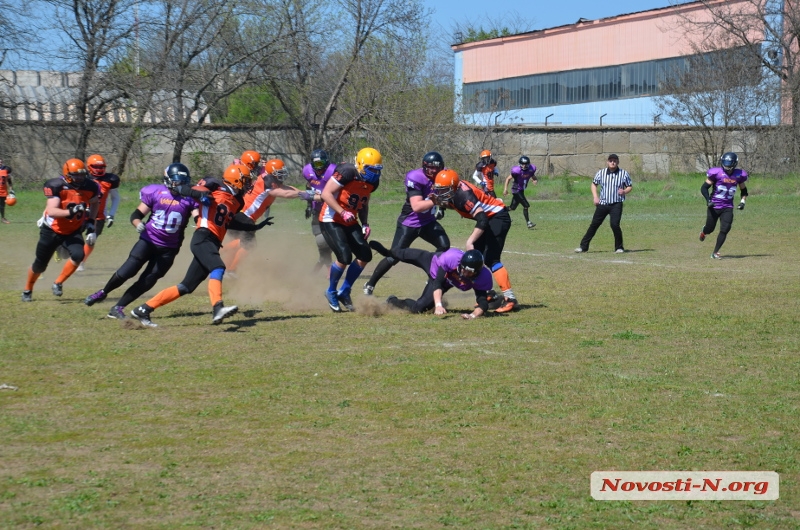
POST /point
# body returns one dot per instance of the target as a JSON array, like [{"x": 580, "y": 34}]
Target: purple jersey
[
  {"x": 417, "y": 184},
  {"x": 169, "y": 215},
  {"x": 725, "y": 186},
  {"x": 520, "y": 178},
  {"x": 318, "y": 183},
  {"x": 449, "y": 260}
]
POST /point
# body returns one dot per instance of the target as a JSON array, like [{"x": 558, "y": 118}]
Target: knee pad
[
  {"x": 38, "y": 267},
  {"x": 217, "y": 274},
  {"x": 182, "y": 290},
  {"x": 497, "y": 266}
]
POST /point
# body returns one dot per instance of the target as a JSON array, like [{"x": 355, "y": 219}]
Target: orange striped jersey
[
  {"x": 258, "y": 199},
  {"x": 5, "y": 177},
  {"x": 468, "y": 198},
  {"x": 107, "y": 182},
  {"x": 487, "y": 170},
  {"x": 224, "y": 205},
  {"x": 353, "y": 194},
  {"x": 69, "y": 194}
]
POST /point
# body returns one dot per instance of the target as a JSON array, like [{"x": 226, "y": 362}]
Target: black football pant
[
  {"x": 345, "y": 241},
  {"x": 422, "y": 259},
  {"x": 158, "y": 259},
  {"x": 602, "y": 211},
  {"x": 205, "y": 249},
  {"x": 432, "y": 233},
  {"x": 493, "y": 240},
  {"x": 49, "y": 241},
  {"x": 725, "y": 217}
]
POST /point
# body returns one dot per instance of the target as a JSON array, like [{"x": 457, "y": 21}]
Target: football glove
[
  {"x": 75, "y": 209},
  {"x": 366, "y": 230},
  {"x": 309, "y": 211},
  {"x": 140, "y": 227},
  {"x": 91, "y": 239},
  {"x": 710, "y": 203},
  {"x": 348, "y": 216},
  {"x": 741, "y": 206},
  {"x": 109, "y": 221},
  {"x": 305, "y": 195},
  {"x": 265, "y": 222}
]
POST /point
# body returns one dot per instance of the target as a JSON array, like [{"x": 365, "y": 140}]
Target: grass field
[{"x": 290, "y": 416}]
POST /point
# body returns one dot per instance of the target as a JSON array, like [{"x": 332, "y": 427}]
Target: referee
[{"x": 615, "y": 184}]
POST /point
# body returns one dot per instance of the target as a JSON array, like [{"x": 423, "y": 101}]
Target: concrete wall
[{"x": 36, "y": 151}]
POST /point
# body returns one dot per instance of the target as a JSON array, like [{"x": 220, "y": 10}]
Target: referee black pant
[{"x": 602, "y": 211}]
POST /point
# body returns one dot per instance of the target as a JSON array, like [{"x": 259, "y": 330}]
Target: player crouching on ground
[
  {"x": 219, "y": 200},
  {"x": 445, "y": 270}
]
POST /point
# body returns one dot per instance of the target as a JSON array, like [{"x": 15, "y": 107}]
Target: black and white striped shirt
[{"x": 610, "y": 183}]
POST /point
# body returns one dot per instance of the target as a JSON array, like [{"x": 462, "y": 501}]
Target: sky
[{"x": 540, "y": 14}]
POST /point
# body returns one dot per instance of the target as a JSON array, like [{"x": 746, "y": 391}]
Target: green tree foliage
[{"x": 253, "y": 104}]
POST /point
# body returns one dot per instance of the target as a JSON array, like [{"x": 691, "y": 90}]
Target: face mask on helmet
[
  {"x": 237, "y": 177},
  {"x": 445, "y": 184},
  {"x": 251, "y": 159},
  {"x": 74, "y": 171},
  {"x": 524, "y": 163},
  {"x": 432, "y": 163},
  {"x": 369, "y": 164},
  {"x": 319, "y": 161},
  {"x": 96, "y": 165},
  {"x": 176, "y": 175},
  {"x": 276, "y": 169},
  {"x": 471, "y": 264},
  {"x": 728, "y": 161}
]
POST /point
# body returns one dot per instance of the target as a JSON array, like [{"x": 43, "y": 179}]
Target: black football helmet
[
  {"x": 319, "y": 161},
  {"x": 176, "y": 175},
  {"x": 524, "y": 163},
  {"x": 432, "y": 163},
  {"x": 471, "y": 264},
  {"x": 728, "y": 161}
]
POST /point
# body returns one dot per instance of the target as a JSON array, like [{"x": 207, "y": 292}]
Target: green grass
[{"x": 289, "y": 416}]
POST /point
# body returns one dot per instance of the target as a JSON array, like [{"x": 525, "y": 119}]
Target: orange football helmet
[
  {"x": 237, "y": 176},
  {"x": 11, "y": 200},
  {"x": 251, "y": 159},
  {"x": 96, "y": 165},
  {"x": 74, "y": 171},
  {"x": 445, "y": 184},
  {"x": 276, "y": 169}
]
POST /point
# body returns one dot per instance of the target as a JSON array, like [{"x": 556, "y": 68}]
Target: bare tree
[
  {"x": 769, "y": 30},
  {"x": 322, "y": 61},
  {"x": 95, "y": 33},
  {"x": 720, "y": 93}
]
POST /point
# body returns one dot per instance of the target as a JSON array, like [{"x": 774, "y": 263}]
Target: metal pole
[{"x": 546, "y": 118}]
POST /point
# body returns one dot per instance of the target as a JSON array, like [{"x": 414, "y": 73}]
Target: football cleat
[
  {"x": 702, "y": 236},
  {"x": 368, "y": 289},
  {"x": 27, "y": 296},
  {"x": 221, "y": 312},
  {"x": 620, "y": 251},
  {"x": 80, "y": 268},
  {"x": 117, "y": 312},
  {"x": 333, "y": 301},
  {"x": 531, "y": 225},
  {"x": 715, "y": 255},
  {"x": 142, "y": 314},
  {"x": 92, "y": 299},
  {"x": 345, "y": 300},
  {"x": 509, "y": 304},
  {"x": 57, "y": 289},
  {"x": 579, "y": 250}
]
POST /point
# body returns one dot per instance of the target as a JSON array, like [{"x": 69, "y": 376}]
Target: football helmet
[
  {"x": 432, "y": 163},
  {"x": 237, "y": 177},
  {"x": 486, "y": 155},
  {"x": 728, "y": 161},
  {"x": 319, "y": 161},
  {"x": 445, "y": 184},
  {"x": 471, "y": 264},
  {"x": 369, "y": 164},
  {"x": 74, "y": 171},
  {"x": 251, "y": 159},
  {"x": 96, "y": 165},
  {"x": 524, "y": 163},
  {"x": 176, "y": 175},
  {"x": 276, "y": 169},
  {"x": 11, "y": 200}
]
